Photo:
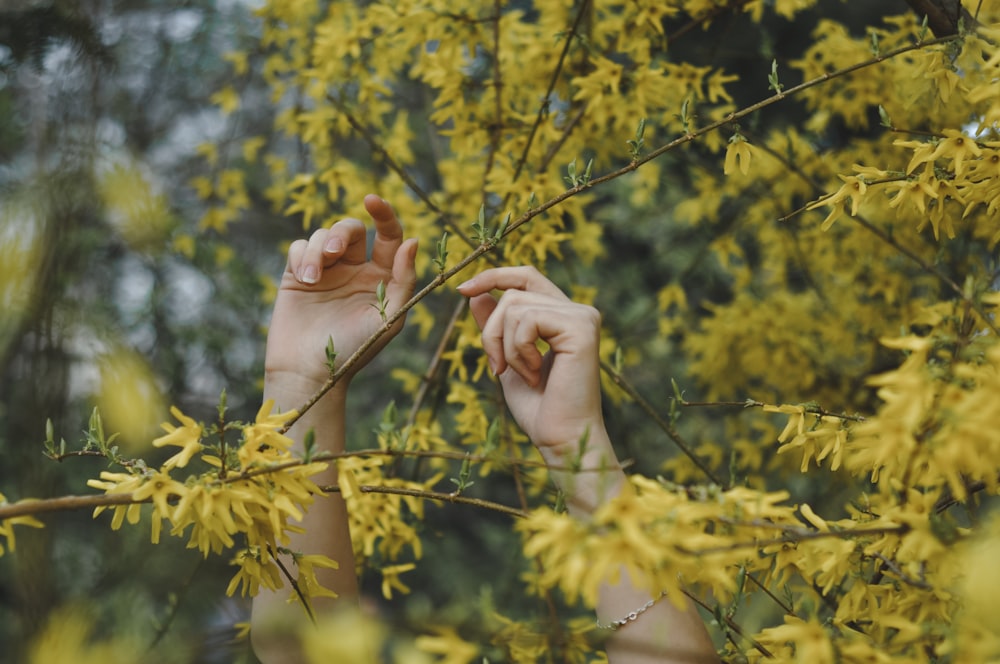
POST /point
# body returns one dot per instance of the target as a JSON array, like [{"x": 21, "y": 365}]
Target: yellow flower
[
  {"x": 255, "y": 571},
  {"x": 854, "y": 188},
  {"x": 7, "y": 526},
  {"x": 187, "y": 437},
  {"x": 390, "y": 579},
  {"x": 159, "y": 488},
  {"x": 309, "y": 585},
  {"x": 261, "y": 439},
  {"x": 452, "y": 648},
  {"x": 737, "y": 155}
]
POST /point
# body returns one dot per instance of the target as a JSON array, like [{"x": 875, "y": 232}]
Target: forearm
[
  {"x": 325, "y": 525},
  {"x": 661, "y": 632}
]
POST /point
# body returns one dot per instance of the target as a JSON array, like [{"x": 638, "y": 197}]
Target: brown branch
[
  {"x": 574, "y": 191},
  {"x": 731, "y": 624},
  {"x": 32, "y": 507},
  {"x": 753, "y": 403},
  {"x": 794, "y": 535},
  {"x": 546, "y": 100},
  {"x": 943, "y": 16},
  {"x": 294, "y": 583},
  {"x": 903, "y": 576},
  {"x": 453, "y": 497},
  {"x": 398, "y": 169},
  {"x": 706, "y": 17},
  {"x": 431, "y": 374},
  {"x": 665, "y": 426},
  {"x": 886, "y": 237}
]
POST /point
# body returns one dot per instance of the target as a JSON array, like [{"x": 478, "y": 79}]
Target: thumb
[
  {"x": 404, "y": 274},
  {"x": 482, "y": 307}
]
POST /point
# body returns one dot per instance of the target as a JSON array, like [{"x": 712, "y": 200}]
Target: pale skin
[{"x": 328, "y": 290}]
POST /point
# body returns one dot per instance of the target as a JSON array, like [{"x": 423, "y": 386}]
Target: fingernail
[
  {"x": 334, "y": 245},
  {"x": 464, "y": 284},
  {"x": 493, "y": 367},
  {"x": 309, "y": 275}
]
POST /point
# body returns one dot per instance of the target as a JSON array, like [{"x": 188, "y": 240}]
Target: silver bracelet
[{"x": 616, "y": 625}]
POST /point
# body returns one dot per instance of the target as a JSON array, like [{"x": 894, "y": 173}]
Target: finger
[
  {"x": 525, "y": 278},
  {"x": 404, "y": 275},
  {"x": 308, "y": 263},
  {"x": 520, "y": 351},
  {"x": 482, "y": 307},
  {"x": 295, "y": 253},
  {"x": 499, "y": 321},
  {"x": 388, "y": 231},
  {"x": 346, "y": 241}
]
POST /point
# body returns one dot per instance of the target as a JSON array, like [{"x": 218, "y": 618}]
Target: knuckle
[{"x": 593, "y": 313}]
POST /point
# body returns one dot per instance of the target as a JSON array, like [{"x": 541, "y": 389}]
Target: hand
[
  {"x": 556, "y": 399},
  {"x": 328, "y": 290}
]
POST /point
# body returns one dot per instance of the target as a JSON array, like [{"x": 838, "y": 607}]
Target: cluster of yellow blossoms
[
  {"x": 885, "y": 307},
  {"x": 245, "y": 501}
]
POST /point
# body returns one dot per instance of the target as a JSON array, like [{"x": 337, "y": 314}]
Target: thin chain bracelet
[{"x": 616, "y": 625}]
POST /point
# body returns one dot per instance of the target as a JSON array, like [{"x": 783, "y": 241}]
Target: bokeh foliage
[{"x": 785, "y": 210}]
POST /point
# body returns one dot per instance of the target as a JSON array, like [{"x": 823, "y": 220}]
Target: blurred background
[{"x": 113, "y": 295}]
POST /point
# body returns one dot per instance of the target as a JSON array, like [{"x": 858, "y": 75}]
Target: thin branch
[
  {"x": 574, "y": 191},
  {"x": 398, "y": 169},
  {"x": 665, "y": 426},
  {"x": 543, "y": 110},
  {"x": 794, "y": 535},
  {"x": 294, "y": 583},
  {"x": 753, "y": 403},
  {"x": 731, "y": 624},
  {"x": 553, "y": 150},
  {"x": 707, "y": 16},
  {"x": 886, "y": 237},
  {"x": 436, "y": 495},
  {"x": 496, "y": 131},
  {"x": 903, "y": 576},
  {"x": 29, "y": 507},
  {"x": 431, "y": 374}
]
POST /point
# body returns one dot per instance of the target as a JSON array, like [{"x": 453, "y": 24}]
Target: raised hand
[
  {"x": 328, "y": 290},
  {"x": 556, "y": 397}
]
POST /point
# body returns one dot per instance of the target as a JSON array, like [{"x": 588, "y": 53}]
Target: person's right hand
[
  {"x": 328, "y": 290},
  {"x": 555, "y": 398}
]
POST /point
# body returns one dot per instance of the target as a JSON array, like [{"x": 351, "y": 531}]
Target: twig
[
  {"x": 665, "y": 426},
  {"x": 497, "y": 129},
  {"x": 435, "y": 495},
  {"x": 431, "y": 374},
  {"x": 903, "y": 576},
  {"x": 544, "y": 108},
  {"x": 710, "y": 15},
  {"x": 886, "y": 237},
  {"x": 574, "y": 191},
  {"x": 753, "y": 403},
  {"x": 794, "y": 536},
  {"x": 294, "y": 583},
  {"x": 732, "y": 624}
]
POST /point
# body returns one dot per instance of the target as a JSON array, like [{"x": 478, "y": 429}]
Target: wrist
[
  {"x": 291, "y": 390},
  {"x": 589, "y": 475}
]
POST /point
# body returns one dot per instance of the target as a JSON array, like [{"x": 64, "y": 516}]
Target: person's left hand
[
  {"x": 328, "y": 290},
  {"x": 555, "y": 398}
]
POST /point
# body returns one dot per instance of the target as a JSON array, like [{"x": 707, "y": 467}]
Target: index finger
[
  {"x": 388, "y": 231},
  {"x": 526, "y": 278}
]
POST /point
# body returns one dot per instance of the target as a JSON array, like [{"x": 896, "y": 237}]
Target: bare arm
[
  {"x": 556, "y": 400},
  {"x": 327, "y": 290}
]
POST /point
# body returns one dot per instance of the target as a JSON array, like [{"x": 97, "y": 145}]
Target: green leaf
[
  {"x": 884, "y": 116},
  {"x": 331, "y": 355},
  {"x": 772, "y": 78}
]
